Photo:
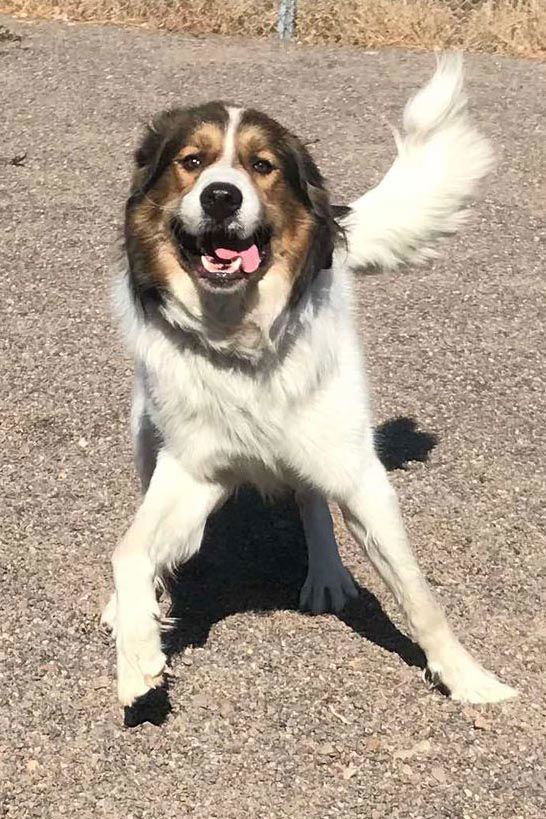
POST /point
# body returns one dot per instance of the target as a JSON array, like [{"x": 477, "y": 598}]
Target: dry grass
[{"x": 516, "y": 27}]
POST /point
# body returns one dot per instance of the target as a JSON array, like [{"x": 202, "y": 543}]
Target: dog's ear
[
  {"x": 156, "y": 150},
  {"x": 305, "y": 177},
  {"x": 309, "y": 186}
]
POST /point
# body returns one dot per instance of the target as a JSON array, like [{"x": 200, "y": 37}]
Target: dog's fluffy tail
[{"x": 441, "y": 157}]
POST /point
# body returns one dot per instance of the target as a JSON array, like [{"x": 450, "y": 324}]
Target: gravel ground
[{"x": 273, "y": 714}]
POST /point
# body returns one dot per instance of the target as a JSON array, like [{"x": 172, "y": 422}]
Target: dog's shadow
[{"x": 253, "y": 558}]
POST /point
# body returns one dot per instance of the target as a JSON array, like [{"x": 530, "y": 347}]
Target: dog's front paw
[
  {"x": 135, "y": 680},
  {"x": 140, "y": 661},
  {"x": 109, "y": 615},
  {"x": 467, "y": 681},
  {"x": 327, "y": 590}
]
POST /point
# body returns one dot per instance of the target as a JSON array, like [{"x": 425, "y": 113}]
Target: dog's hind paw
[{"x": 329, "y": 590}]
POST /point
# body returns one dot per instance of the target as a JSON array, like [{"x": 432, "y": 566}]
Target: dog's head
[{"x": 225, "y": 196}]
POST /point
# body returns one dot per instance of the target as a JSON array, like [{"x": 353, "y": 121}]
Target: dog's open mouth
[{"x": 222, "y": 259}]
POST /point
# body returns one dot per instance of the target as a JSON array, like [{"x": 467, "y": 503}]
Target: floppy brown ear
[
  {"x": 308, "y": 184},
  {"x": 156, "y": 150}
]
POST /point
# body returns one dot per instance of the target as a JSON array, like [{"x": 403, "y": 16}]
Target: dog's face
[{"x": 225, "y": 196}]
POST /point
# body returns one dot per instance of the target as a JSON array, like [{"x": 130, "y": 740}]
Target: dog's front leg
[
  {"x": 167, "y": 529},
  {"x": 372, "y": 515},
  {"x": 328, "y": 585}
]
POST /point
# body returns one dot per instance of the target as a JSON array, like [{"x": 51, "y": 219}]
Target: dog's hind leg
[
  {"x": 328, "y": 585},
  {"x": 166, "y": 530},
  {"x": 372, "y": 515}
]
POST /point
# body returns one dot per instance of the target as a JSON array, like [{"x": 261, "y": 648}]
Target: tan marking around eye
[
  {"x": 253, "y": 143},
  {"x": 265, "y": 154},
  {"x": 207, "y": 140},
  {"x": 252, "y": 140},
  {"x": 188, "y": 150}
]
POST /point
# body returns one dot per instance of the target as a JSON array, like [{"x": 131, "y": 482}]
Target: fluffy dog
[{"x": 235, "y": 302}]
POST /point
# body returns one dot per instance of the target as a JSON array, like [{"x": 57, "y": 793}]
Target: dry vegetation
[{"x": 516, "y": 27}]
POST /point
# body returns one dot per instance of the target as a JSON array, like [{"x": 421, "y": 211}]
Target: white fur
[
  {"x": 290, "y": 408},
  {"x": 229, "y": 155},
  {"x": 441, "y": 157}
]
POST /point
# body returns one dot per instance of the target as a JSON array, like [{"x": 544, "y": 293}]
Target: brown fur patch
[
  {"x": 291, "y": 221},
  {"x": 148, "y": 223},
  {"x": 150, "y": 219},
  {"x": 252, "y": 140},
  {"x": 208, "y": 138},
  {"x": 207, "y": 142}
]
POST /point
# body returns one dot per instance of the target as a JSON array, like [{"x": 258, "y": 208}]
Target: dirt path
[{"x": 273, "y": 714}]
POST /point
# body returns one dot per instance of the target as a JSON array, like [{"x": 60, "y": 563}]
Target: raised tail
[{"x": 441, "y": 158}]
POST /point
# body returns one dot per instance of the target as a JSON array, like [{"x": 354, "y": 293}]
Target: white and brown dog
[{"x": 235, "y": 303}]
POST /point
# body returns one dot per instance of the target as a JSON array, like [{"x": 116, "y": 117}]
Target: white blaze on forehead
[{"x": 234, "y": 118}]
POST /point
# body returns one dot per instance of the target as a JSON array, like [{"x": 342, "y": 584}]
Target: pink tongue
[{"x": 250, "y": 257}]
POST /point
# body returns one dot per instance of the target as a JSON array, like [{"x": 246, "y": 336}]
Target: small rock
[
  {"x": 373, "y": 744},
  {"x": 439, "y": 774},
  {"x": 226, "y": 708},
  {"x": 100, "y": 682},
  {"x": 327, "y": 749},
  {"x": 403, "y": 753},
  {"x": 202, "y": 701},
  {"x": 349, "y": 772},
  {"x": 478, "y": 720},
  {"x": 481, "y": 723},
  {"x": 422, "y": 747},
  {"x": 32, "y": 765},
  {"x": 82, "y": 443},
  {"x": 339, "y": 716}
]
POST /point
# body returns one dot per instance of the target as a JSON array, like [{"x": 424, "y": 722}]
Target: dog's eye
[
  {"x": 262, "y": 166},
  {"x": 191, "y": 162}
]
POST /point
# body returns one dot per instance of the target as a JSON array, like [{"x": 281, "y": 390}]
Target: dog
[{"x": 235, "y": 303}]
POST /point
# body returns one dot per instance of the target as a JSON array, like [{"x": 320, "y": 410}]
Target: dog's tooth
[
  {"x": 208, "y": 264},
  {"x": 221, "y": 267}
]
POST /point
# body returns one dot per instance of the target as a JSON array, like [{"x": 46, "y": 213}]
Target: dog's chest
[{"x": 220, "y": 418}]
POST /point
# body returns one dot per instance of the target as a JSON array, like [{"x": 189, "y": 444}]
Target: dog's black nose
[{"x": 221, "y": 199}]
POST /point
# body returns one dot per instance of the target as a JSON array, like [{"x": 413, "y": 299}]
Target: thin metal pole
[{"x": 287, "y": 19}]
